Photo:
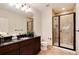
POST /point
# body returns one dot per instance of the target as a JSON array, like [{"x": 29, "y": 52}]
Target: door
[
  {"x": 67, "y": 31},
  {"x": 64, "y": 31},
  {"x": 56, "y": 31}
]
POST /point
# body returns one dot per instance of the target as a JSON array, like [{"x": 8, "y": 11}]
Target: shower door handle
[{"x": 77, "y": 30}]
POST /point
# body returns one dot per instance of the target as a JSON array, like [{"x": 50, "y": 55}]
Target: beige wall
[
  {"x": 77, "y": 28},
  {"x": 47, "y": 25},
  {"x": 36, "y": 22}
]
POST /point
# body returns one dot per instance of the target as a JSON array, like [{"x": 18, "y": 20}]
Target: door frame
[{"x": 74, "y": 31}]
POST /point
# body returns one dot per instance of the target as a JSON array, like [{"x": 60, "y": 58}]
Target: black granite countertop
[{"x": 17, "y": 40}]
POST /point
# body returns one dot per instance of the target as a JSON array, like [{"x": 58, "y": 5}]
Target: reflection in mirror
[
  {"x": 13, "y": 21},
  {"x": 29, "y": 24}
]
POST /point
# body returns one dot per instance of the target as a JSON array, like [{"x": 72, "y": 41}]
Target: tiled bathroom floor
[{"x": 52, "y": 50}]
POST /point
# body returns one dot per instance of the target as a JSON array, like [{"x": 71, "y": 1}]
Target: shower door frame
[{"x": 74, "y": 33}]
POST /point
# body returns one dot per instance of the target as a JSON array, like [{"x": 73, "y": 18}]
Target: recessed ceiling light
[{"x": 63, "y": 8}]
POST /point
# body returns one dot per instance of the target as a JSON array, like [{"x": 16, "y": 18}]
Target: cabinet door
[
  {"x": 9, "y": 49},
  {"x": 26, "y": 47},
  {"x": 2, "y": 50},
  {"x": 26, "y": 50},
  {"x": 37, "y": 45}
]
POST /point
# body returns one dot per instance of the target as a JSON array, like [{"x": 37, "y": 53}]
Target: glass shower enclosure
[{"x": 64, "y": 31}]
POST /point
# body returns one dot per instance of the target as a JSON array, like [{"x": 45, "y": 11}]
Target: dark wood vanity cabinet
[
  {"x": 30, "y": 47},
  {"x": 26, "y": 47}
]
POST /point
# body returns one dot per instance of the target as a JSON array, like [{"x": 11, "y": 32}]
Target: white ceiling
[
  {"x": 6, "y": 6},
  {"x": 57, "y": 7}
]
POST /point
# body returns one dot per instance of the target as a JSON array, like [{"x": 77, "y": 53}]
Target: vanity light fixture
[
  {"x": 18, "y": 6},
  {"x": 22, "y": 6},
  {"x": 28, "y": 10}
]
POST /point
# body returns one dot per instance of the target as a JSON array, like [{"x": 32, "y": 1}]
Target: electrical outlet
[{"x": 49, "y": 38}]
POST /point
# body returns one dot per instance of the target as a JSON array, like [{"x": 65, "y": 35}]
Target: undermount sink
[
  {"x": 25, "y": 38},
  {"x": 20, "y": 39},
  {"x": 5, "y": 39}
]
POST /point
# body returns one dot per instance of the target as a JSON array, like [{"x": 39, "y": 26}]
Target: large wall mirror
[{"x": 13, "y": 21}]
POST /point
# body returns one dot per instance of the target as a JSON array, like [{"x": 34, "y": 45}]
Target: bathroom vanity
[{"x": 21, "y": 46}]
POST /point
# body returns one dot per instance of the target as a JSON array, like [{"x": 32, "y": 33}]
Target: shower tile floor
[
  {"x": 65, "y": 45},
  {"x": 53, "y": 50}
]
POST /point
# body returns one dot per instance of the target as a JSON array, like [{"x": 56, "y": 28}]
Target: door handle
[{"x": 77, "y": 30}]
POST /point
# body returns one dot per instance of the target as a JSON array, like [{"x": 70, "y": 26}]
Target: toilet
[{"x": 44, "y": 45}]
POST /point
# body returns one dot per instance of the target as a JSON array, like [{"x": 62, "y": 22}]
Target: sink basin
[
  {"x": 24, "y": 38},
  {"x": 5, "y": 39}
]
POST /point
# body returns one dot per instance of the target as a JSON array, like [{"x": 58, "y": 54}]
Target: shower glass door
[
  {"x": 56, "y": 30},
  {"x": 67, "y": 31}
]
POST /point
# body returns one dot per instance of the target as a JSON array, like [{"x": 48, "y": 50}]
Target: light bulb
[
  {"x": 18, "y": 6},
  {"x": 23, "y": 8},
  {"x": 28, "y": 10}
]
